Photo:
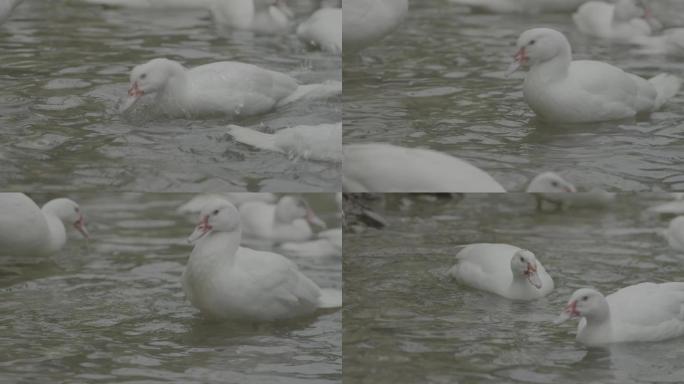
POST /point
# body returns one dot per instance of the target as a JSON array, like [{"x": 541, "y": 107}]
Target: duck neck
[
  {"x": 598, "y": 326},
  {"x": 216, "y": 249},
  {"x": 175, "y": 90},
  {"x": 520, "y": 284},
  {"x": 57, "y": 238},
  {"x": 555, "y": 69}
]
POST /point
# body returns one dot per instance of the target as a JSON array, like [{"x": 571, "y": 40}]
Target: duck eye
[
  {"x": 532, "y": 42},
  {"x": 143, "y": 76},
  {"x": 522, "y": 259},
  {"x": 554, "y": 183},
  {"x": 585, "y": 298},
  {"x": 216, "y": 212}
]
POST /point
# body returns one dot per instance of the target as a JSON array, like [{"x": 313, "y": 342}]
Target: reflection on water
[
  {"x": 405, "y": 320},
  {"x": 113, "y": 310},
  {"x": 438, "y": 82},
  {"x": 66, "y": 65}
]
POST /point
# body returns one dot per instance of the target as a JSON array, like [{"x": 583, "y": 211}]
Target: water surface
[
  {"x": 438, "y": 82},
  {"x": 406, "y": 321},
  {"x": 113, "y": 310},
  {"x": 65, "y": 66}
]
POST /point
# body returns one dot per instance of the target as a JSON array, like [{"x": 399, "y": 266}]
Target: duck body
[
  {"x": 6, "y": 8},
  {"x": 565, "y": 91},
  {"x": 521, "y": 6},
  {"x": 28, "y": 230},
  {"x": 228, "y": 88},
  {"x": 323, "y": 30},
  {"x": 488, "y": 267},
  {"x": 620, "y": 22},
  {"x": 321, "y": 142},
  {"x": 367, "y": 21},
  {"x": 247, "y": 285},
  {"x": 387, "y": 168},
  {"x": 645, "y": 312},
  {"x": 226, "y": 281},
  {"x": 675, "y": 233},
  {"x": 287, "y": 220},
  {"x": 327, "y": 244}
]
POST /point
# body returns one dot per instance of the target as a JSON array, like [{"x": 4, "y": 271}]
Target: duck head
[
  {"x": 524, "y": 263},
  {"x": 69, "y": 213},
  {"x": 538, "y": 45},
  {"x": 585, "y": 302},
  {"x": 217, "y": 216},
  {"x": 290, "y": 208},
  {"x": 150, "y": 78}
]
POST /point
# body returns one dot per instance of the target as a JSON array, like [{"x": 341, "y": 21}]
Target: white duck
[
  {"x": 287, "y": 220},
  {"x": 226, "y": 281},
  {"x": 323, "y": 30},
  {"x": 365, "y": 22},
  {"x": 502, "y": 269},
  {"x": 227, "y": 88},
  {"x": 327, "y": 244},
  {"x": 320, "y": 142},
  {"x": 27, "y": 230},
  {"x": 642, "y": 312},
  {"x": 552, "y": 188},
  {"x": 261, "y": 16},
  {"x": 388, "y": 168},
  {"x": 198, "y": 202},
  {"x": 565, "y": 91},
  {"x": 521, "y": 6},
  {"x": 675, "y": 233},
  {"x": 6, "y": 8},
  {"x": 621, "y": 21},
  {"x": 670, "y": 42}
]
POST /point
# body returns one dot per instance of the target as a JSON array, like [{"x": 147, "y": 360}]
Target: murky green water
[
  {"x": 113, "y": 310},
  {"x": 438, "y": 82},
  {"x": 65, "y": 66},
  {"x": 406, "y": 321}
]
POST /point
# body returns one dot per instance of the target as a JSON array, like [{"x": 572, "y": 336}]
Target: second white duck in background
[
  {"x": 323, "y": 29},
  {"x": 290, "y": 219},
  {"x": 621, "y": 21},
  {"x": 365, "y": 22}
]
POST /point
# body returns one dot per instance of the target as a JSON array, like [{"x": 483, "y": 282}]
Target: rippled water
[
  {"x": 113, "y": 310},
  {"x": 65, "y": 67},
  {"x": 405, "y": 320},
  {"x": 438, "y": 83}
]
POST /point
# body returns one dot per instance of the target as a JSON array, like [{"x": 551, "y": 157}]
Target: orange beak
[{"x": 79, "y": 225}]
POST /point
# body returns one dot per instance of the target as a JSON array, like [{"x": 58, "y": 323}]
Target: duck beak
[
  {"x": 203, "y": 227},
  {"x": 134, "y": 94},
  {"x": 79, "y": 225},
  {"x": 533, "y": 276},
  {"x": 569, "y": 312},
  {"x": 519, "y": 60},
  {"x": 570, "y": 189},
  {"x": 315, "y": 220},
  {"x": 284, "y": 8}
]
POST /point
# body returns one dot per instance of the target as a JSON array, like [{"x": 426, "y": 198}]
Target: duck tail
[
  {"x": 330, "y": 298},
  {"x": 254, "y": 138},
  {"x": 666, "y": 86},
  {"x": 324, "y": 90}
]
